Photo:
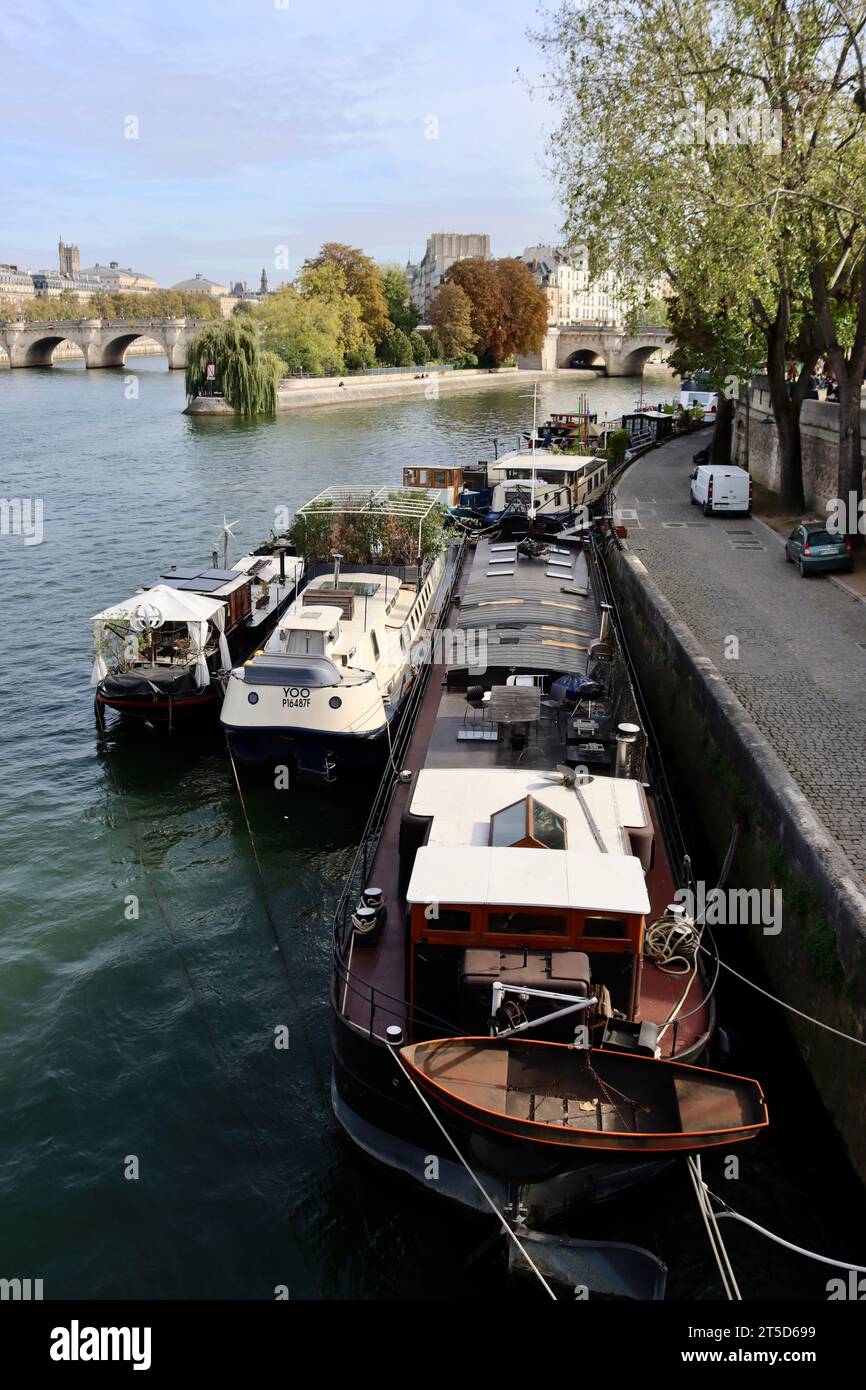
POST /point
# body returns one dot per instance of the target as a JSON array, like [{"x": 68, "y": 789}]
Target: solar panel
[{"x": 199, "y": 586}]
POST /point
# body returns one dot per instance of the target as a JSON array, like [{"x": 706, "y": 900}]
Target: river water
[{"x": 155, "y": 1143}]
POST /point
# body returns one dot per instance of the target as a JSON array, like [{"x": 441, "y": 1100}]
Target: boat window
[
  {"x": 450, "y": 919},
  {"x": 375, "y": 643},
  {"x": 614, "y": 928},
  {"x": 546, "y": 826},
  {"x": 509, "y": 826},
  {"x": 527, "y": 923},
  {"x": 529, "y": 824}
]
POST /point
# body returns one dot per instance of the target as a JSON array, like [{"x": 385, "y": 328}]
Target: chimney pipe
[
  {"x": 606, "y": 610},
  {"x": 626, "y": 738}
]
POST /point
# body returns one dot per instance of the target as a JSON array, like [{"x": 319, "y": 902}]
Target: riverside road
[{"x": 800, "y": 642}]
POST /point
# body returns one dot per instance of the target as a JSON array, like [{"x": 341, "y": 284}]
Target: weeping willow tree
[{"x": 245, "y": 374}]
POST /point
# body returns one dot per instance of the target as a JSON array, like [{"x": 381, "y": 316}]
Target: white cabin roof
[
  {"x": 461, "y": 806},
  {"x": 509, "y": 877},
  {"x": 312, "y": 619},
  {"x": 544, "y": 463}
]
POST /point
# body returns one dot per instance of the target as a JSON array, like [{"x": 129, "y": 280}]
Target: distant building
[
  {"x": 117, "y": 279},
  {"x": 443, "y": 249},
  {"x": 50, "y": 284},
  {"x": 263, "y": 288},
  {"x": 199, "y": 285},
  {"x": 16, "y": 285},
  {"x": 70, "y": 260},
  {"x": 545, "y": 272},
  {"x": 573, "y": 297}
]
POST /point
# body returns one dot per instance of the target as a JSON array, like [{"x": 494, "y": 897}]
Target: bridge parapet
[{"x": 103, "y": 341}]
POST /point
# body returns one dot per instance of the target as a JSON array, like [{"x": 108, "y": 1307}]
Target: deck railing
[{"x": 356, "y": 878}]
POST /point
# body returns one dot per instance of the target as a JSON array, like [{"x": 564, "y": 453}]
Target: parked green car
[{"x": 812, "y": 547}]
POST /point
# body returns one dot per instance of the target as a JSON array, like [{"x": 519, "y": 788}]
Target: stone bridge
[
  {"x": 612, "y": 350},
  {"x": 103, "y": 341}
]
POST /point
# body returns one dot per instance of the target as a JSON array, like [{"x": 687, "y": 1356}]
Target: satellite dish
[{"x": 145, "y": 617}]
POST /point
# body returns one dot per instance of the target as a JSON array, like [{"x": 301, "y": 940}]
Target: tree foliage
[
  {"x": 153, "y": 304},
  {"x": 306, "y": 331},
  {"x": 361, "y": 279},
  {"x": 509, "y": 309},
  {"x": 246, "y": 375},
  {"x": 401, "y": 310},
  {"x": 396, "y": 349},
  {"x": 451, "y": 318},
  {"x": 730, "y": 163}
]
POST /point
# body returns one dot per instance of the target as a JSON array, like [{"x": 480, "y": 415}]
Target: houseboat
[
  {"x": 164, "y": 654},
  {"x": 324, "y": 691},
  {"x": 536, "y": 487},
  {"x": 512, "y": 977}
]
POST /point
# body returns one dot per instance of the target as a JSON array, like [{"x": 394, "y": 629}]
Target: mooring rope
[
  {"x": 790, "y": 1007},
  {"x": 485, "y": 1194},
  {"x": 717, "y": 1244}
]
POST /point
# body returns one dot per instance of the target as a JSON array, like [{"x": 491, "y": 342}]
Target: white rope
[
  {"x": 488, "y": 1199},
  {"x": 790, "y": 1007},
  {"x": 788, "y": 1245},
  {"x": 717, "y": 1245}
]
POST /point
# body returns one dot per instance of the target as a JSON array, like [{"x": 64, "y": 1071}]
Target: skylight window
[{"x": 527, "y": 824}]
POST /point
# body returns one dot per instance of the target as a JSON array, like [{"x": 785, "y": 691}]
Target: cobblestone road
[{"x": 800, "y": 670}]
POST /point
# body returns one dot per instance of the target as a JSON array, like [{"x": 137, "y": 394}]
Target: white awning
[
  {"x": 510, "y": 877},
  {"x": 168, "y": 605}
]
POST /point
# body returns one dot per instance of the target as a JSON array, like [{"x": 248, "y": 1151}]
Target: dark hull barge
[{"x": 518, "y": 876}]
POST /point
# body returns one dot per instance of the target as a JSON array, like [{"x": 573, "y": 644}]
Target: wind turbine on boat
[{"x": 227, "y": 534}]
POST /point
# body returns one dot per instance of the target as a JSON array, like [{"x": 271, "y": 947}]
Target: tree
[
  {"x": 451, "y": 318},
  {"x": 401, "y": 310},
  {"x": 420, "y": 349},
  {"x": 718, "y": 343},
  {"x": 327, "y": 284},
  {"x": 396, "y": 349},
  {"x": 362, "y": 279},
  {"x": 360, "y": 357},
  {"x": 509, "y": 310},
  {"x": 306, "y": 332},
  {"x": 245, "y": 374},
  {"x": 434, "y": 345},
  {"x": 739, "y": 137}
]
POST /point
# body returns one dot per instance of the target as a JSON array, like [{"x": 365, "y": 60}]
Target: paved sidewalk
[{"x": 800, "y": 667}]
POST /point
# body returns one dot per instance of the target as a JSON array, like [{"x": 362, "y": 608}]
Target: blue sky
[{"x": 267, "y": 123}]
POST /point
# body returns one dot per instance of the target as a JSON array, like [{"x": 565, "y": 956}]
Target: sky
[{"x": 222, "y": 138}]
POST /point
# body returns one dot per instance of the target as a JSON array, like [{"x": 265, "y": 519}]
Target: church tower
[
  {"x": 264, "y": 284},
  {"x": 70, "y": 259}
]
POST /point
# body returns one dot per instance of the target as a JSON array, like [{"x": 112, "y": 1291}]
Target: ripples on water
[{"x": 154, "y": 1037}]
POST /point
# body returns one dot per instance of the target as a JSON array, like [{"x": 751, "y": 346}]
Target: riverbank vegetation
[
  {"x": 244, "y": 373},
  {"x": 343, "y": 313},
  {"x": 155, "y": 304},
  {"x": 732, "y": 166}
]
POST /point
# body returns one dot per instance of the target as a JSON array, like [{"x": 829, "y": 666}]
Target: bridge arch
[
  {"x": 633, "y": 362},
  {"x": 39, "y": 352},
  {"x": 115, "y": 349},
  {"x": 587, "y": 358}
]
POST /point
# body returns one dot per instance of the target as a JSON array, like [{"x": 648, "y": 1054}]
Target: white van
[{"x": 721, "y": 489}]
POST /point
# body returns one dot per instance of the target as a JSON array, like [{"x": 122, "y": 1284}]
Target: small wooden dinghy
[{"x": 550, "y": 1093}]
